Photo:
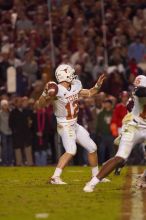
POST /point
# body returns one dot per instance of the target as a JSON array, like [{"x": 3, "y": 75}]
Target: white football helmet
[
  {"x": 65, "y": 72},
  {"x": 140, "y": 81}
]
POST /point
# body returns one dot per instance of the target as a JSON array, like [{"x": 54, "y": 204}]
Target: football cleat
[
  {"x": 88, "y": 187},
  {"x": 56, "y": 180},
  {"x": 105, "y": 180}
]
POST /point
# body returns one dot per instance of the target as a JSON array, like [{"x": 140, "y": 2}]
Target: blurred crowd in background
[{"x": 28, "y": 135}]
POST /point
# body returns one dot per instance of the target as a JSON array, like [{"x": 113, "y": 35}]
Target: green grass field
[{"x": 24, "y": 193}]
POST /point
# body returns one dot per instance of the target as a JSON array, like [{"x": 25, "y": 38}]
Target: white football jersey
[
  {"x": 66, "y": 105},
  {"x": 139, "y": 110}
]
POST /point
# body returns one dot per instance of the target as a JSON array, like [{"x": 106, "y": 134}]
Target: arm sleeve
[{"x": 140, "y": 92}]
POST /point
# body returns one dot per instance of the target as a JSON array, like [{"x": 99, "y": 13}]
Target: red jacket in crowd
[{"x": 118, "y": 114}]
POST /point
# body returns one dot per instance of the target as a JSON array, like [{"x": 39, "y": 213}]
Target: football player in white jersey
[
  {"x": 133, "y": 132},
  {"x": 66, "y": 111}
]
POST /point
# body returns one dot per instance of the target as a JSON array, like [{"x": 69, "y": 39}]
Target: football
[{"x": 52, "y": 88}]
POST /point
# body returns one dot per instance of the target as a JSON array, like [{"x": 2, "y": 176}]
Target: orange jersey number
[{"x": 72, "y": 110}]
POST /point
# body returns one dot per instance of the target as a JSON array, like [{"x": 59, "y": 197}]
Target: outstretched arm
[{"x": 93, "y": 91}]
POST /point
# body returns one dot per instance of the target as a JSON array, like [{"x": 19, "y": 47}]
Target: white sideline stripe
[
  {"x": 42, "y": 215},
  {"x": 136, "y": 199}
]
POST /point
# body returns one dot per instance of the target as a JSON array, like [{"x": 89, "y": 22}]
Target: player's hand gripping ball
[{"x": 52, "y": 88}]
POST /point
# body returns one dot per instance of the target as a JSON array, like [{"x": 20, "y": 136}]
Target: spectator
[
  {"x": 99, "y": 67},
  {"x": 136, "y": 50},
  {"x": 30, "y": 66},
  {"x": 6, "y": 134},
  {"x": 23, "y": 22},
  {"x": 138, "y": 20},
  {"x": 85, "y": 77},
  {"x": 119, "y": 39},
  {"x": 133, "y": 70},
  {"x": 103, "y": 131},
  {"x": 40, "y": 128},
  {"x": 117, "y": 84},
  {"x": 119, "y": 112},
  {"x": 21, "y": 134},
  {"x": 80, "y": 56}
]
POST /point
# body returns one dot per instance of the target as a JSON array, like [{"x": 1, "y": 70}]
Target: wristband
[{"x": 97, "y": 87}]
